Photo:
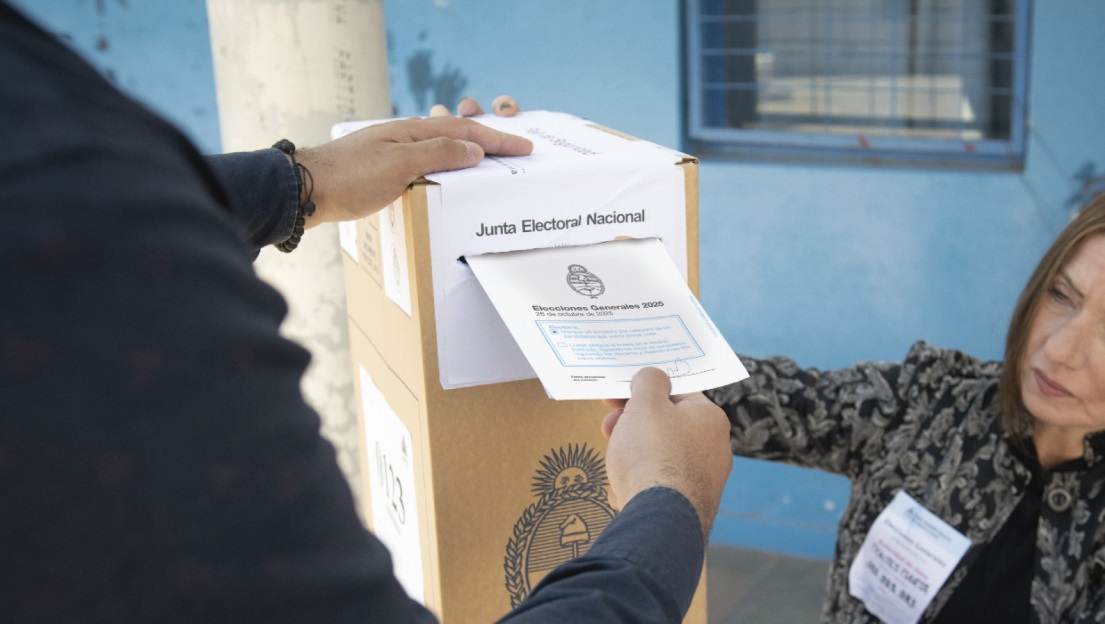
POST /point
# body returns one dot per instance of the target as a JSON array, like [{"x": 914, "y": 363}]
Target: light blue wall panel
[
  {"x": 1068, "y": 94},
  {"x": 616, "y": 62}
]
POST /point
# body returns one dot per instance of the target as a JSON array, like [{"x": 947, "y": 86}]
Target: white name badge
[{"x": 905, "y": 559}]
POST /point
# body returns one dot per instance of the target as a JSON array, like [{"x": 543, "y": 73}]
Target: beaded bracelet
[{"x": 307, "y": 207}]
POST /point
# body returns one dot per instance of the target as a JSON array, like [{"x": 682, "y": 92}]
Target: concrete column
[{"x": 292, "y": 69}]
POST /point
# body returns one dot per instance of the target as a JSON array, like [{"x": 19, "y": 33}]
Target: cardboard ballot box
[{"x": 477, "y": 482}]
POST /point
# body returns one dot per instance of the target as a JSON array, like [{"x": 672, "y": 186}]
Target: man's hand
[
  {"x": 365, "y": 171},
  {"x": 681, "y": 442}
]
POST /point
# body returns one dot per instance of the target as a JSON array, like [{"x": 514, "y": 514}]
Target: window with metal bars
[{"x": 922, "y": 81}]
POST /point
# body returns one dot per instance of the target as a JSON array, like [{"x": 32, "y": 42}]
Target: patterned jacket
[{"x": 928, "y": 425}]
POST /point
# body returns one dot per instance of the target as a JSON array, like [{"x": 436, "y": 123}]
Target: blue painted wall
[{"x": 829, "y": 265}]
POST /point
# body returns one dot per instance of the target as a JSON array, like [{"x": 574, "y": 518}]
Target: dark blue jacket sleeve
[
  {"x": 643, "y": 569},
  {"x": 262, "y": 194}
]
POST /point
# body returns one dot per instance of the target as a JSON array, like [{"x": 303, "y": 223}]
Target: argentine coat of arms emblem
[
  {"x": 570, "y": 513},
  {"x": 585, "y": 282}
]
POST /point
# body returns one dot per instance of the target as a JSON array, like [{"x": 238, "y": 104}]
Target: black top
[
  {"x": 157, "y": 460},
  {"x": 998, "y": 585}
]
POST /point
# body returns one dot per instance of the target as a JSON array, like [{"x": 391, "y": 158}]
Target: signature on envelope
[{"x": 678, "y": 368}]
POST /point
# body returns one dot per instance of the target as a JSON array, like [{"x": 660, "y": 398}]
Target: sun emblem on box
[
  {"x": 585, "y": 282},
  {"x": 570, "y": 513}
]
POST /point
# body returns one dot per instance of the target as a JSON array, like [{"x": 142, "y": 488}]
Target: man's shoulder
[{"x": 55, "y": 107}]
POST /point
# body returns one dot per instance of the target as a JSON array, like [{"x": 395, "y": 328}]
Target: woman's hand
[{"x": 503, "y": 106}]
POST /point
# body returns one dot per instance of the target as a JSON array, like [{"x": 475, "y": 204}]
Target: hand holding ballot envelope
[{"x": 680, "y": 441}]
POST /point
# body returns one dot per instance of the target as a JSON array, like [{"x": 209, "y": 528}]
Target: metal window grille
[{"x": 914, "y": 80}]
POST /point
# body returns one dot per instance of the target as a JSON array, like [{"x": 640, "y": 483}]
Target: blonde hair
[{"x": 1089, "y": 222}]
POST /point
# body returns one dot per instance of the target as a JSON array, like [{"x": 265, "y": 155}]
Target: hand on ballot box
[
  {"x": 680, "y": 442},
  {"x": 363, "y": 172}
]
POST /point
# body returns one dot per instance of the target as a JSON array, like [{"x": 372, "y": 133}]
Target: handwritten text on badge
[{"x": 905, "y": 559}]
